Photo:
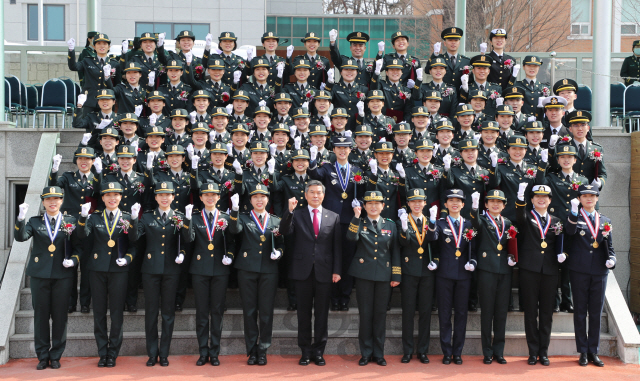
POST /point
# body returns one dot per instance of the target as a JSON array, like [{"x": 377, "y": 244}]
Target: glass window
[
  {"x": 580, "y": 10},
  {"x": 361, "y": 25},
  {"x": 346, "y": 27},
  {"x": 200, "y": 30},
  {"x": 163, "y": 28},
  {"x": 300, "y": 27},
  {"x": 32, "y": 22},
  {"x": 143, "y": 27},
  {"x": 628, "y": 29},
  {"x": 271, "y": 24},
  {"x": 284, "y": 26},
  {"x": 315, "y": 25},
  {"x": 391, "y": 25},
  {"x": 54, "y": 22},
  {"x": 344, "y": 47},
  {"x": 377, "y": 29},
  {"x": 330, "y": 23},
  {"x": 630, "y": 13}
]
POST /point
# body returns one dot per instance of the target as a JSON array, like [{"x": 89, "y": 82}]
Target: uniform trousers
[
  {"x": 108, "y": 289},
  {"x": 564, "y": 295},
  {"x": 372, "y": 298},
  {"x": 315, "y": 299},
  {"x": 46, "y": 297},
  {"x": 416, "y": 294},
  {"x": 342, "y": 290},
  {"x": 588, "y": 297},
  {"x": 210, "y": 293},
  {"x": 494, "y": 290},
  {"x": 158, "y": 286},
  {"x": 258, "y": 294},
  {"x": 538, "y": 297},
  {"x": 135, "y": 276},
  {"x": 452, "y": 294},
  {"x": 85, "y": 276}
]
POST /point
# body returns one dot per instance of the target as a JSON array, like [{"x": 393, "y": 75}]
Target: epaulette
[{"x": 97, "y": 211}]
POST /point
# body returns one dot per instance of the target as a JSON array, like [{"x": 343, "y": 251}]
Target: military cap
[
  {"x": 518, "y": 141},
  {"x": 216, "y": 64},
  {"x": 155, "y": 130},
  {"x": 636, "y": 43},
  {"x": 401, "y": 128},
  {"x": 173, "y": 64},
  {"x": 435, "y": 62},
  {"x": 565, "y": 84},
  {"x": 588, "y": 189},
  {"x": 373, "y": 196},
  {"x": 445, "y": 124},
  {"x": 433, "y": 95},
  {"x": 481, "y": 60},
  {"x": 532, "y": 60},
  {"x": 109, "y": 131},
  {"x": 497, "y": 33},
  {"x": 209, "y": 188},
  {"x": 416, "y": 194},
  {"x": 147, "y": 37},
  {"x": 534, "y": 126},
  {"x": 85, "y": 152},
  {"x": 283, "y": 97},
  {"x": 489, "y": 125},
  {"x": 579, "y": 116},
  {"x": 259, "y": 146},
  {"x": 229, "y": 36},
  {"x": 467, "y": 144},
  {"x": 364, "y": 129},
  {"x": 262, "y": 110},
  {"x": 241, "y": 127},
  {"x": 423, "y": 144},
  {"x": 496, "y": 194},
  {"x": 513, "y": 92},
  {"x": 156, "y": 95},
  {"x": 281, "y": 127},
  {"x": 464, "y": 109},
  {"x": 106, "y": 94},
  {"x": 323, "y": 94},
  {"x": 259, "y": 189},
  {"x": 541, "y": 189},
  {"x": 394, "y": 64},
  {"x": 420, "y": 110},
  {"x": 452, "y": 33},
  {"x": 241, "y": 94},
  {"x": 504, "y": 110},
  {"x": 220, "y": 111},
  {"x": 375, "y": 94},
  {"x": 54, "y": 191},
  {"x": 110, "y": 187},
  {"x": 260, "y": 62},
  {"x": 201, "y": 127},
  {"x": 554, "y": 101},
  {"x": 300, "y": 112},
  {"x": 269, "y": 35},
  {"x": 349, "y": 64},
  {"x": 566, "y": 149},
  {"x": 218, "y": 147},
  {"x": 201, "y": 94},
  {"x": 101, "y": 37},
  {"x": 478, "y": 94},
  {"x": 301, "y": 64},
  {"x": 455, "y": 193},
  {"x": 342, "y": 141},
  {"x": 132, "y": 67},
  {"x": 317, "y": 129},
  {"x": 126, "y": 151},
  {"x": 300, "y": 154},
  {"x": 175, "y": 149},
  {"x": 397, "y": 35},
  {"x": 179, "y": 113},
  {"x": 164, "y": 187},
  {"x": 186, "y": 34},
  {"x": 90, "y": 34},
  {"x": 383, "y": 147},
  {"x": 358, "y": 37},
  {"x": 310, "y": 36}
]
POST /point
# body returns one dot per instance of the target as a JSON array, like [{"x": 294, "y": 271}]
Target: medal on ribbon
[
  {"x": 53, "y": 234},
  {"x": 419, "y": 236},
  {"x": 111, "y": 228},
  {"x": 499, "y": 233},
  {"x": 543, "y": 231},
  {"x": 261, "y": 227},
  {"x": 343, "y": 182},
  {"x": 211, "y": 230},
  {"x": 593, "y": 229},
  {"x": 457, "y": 237}
]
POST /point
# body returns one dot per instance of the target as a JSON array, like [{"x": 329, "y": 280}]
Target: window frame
[{"x": 172, "y": 24}]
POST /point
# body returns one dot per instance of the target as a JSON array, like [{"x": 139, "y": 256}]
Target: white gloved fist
[
  {"x": 381, "y": 46},
  {"x": 464, "y": 80},
  {"x": 152, "y": 78},
  {"x": 553, "y": 139},
  {"x": 150, "y": 157},
  {"x": 161, "y": 37},
  {"x": 516, "y": 70},
  {"x": 446, "y": 160},
  {"x": 562, "y": 257},
  {"x": 212, "y": 136},
  {"x": 195, "y": 159},
  {"x": 469, "y": 267},
  {"x": 327, "y": 121},
  {"x": 348, "y": 133},
  {"x": 404, "y": 219},
  {"x": 333, "y": 34},
  {"x": 262, "y": 103},
  {"x": 305, "y": 105},
  {"x": 276, "y": 254},
  {"x": 521, "y": 188},
  {"x": 531, "y": 118},
  {"x": 189, "y": 150},
  {"x": 104, "y": 123},
  {"x": 597, "y": 183},
  {"x": 544, "y": 155},
  {"x": 511, "y": 262},
  {"x": 188, "y": 210},
  {"x": 250, "y": 54},
  {"x": 125, "y": 46},
  {"x": 360, "y": 106},
  {"x": 610, "y": 263},
  {"x": 436, "y": 147},
  {"x": 22, "y": 213},
  {"x": 280, "y": 67},
  {"x": 494, "y": 159},
  {"x": 235, "y": 202},
  {"x": 81, "y": 99},
  {"x": 575, "y": 203},
  {"x": 373, "y": 164},
  {"x": 121, "y": 262},
  {"x": 292, "y": 131},
  {"x": 436, "y": 48},
  {"x": 400, "y": 170},
  {"x": 107, "y": 71},
  {"x": 433, "y": 213},
  {"x": 477, "y": 137},
  {"x": 432, "y": 266},
  {"x": 402, "y": 212},
  {"x": 499, "y": 101},
  {"x": 378, "y": 66},
  {"x": 419, "y": 72},
  {"x": 475, "y": 200},
  {"x": 67, "y": 263},
  {"x": 208, "y": 40},
  {"x": 97, "y": 164},
  {"x": 272, "y": 149},
  {"x": 229, "y": 109},
  {"x": 483, "y": 47},
  {"x": 271, "y": 165},
  {"x": 135, "y": 211},
  {"x": 226, "y": 260},
  {"x": 313, "y": 152},
  {"x": 297, "y": 141},
  {"x": 152, "y": 119},
  {"x": 411, "y": 83},
  {"x": 192, "y": 117},
  {"x": 230, "y": 149},
  {"x": 355, "y": 203},
  {"x": 330, "y": 76},
  {"x": 382, "y": 140},
  {"x": 236, "y": 76},
  {"x": 71, "y": 44},
  {"x": 237, "y": 167},
  {"x": 180, "y": 258},
  {"x": 84, "y": 209},
  {"x": 57, "y": 159},
  {"x": 138, "y": 110},
  {"x": 290, "y": 49}
]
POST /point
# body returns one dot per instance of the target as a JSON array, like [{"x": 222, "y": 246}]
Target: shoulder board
[
  {"x": 461, "y": 56},
  {"x": 148, "y": 212},
  {"x": 596, "y": 144},
  {"x": 97, "y": 211},
  {"x": 494, "y": 84},
  {"x": 125, "y": 213},
  {"x": 389, "y": 220},
  {"x": 70, "y": 172}
]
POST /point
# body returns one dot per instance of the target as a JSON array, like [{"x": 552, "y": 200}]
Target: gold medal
[
  {"x": 263, "y": 238},
  {"x": 500, "y": 246},
  {"x": 420, "y": 250},
  {"x": 52, "y": 248},
  {"x": 543, "y": 245},
  {"x": 210, "y": 247},
  {"x": 111, "y": 243},
  {"x": 344, "y": 195},
  {"x": 595, "y": 245},
  {"x": 458, "y": 253}
]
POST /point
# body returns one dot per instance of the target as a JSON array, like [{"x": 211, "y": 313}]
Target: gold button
[
  {"x": 374, "y": 258},
  {"x": 83, "y": 190},
  {"x": 376, "y": 250},
  {"x": 163, "y": 244},
  {"x": 260, "y": 244},
  {"x": 259, "y": 252},
  {"x": 162, "y": 252},
  {"x": 376, "y": 236},
  {"x": 163, "y": 236}
]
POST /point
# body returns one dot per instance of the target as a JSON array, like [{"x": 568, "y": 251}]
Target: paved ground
[{"x": 337, "y": 368}]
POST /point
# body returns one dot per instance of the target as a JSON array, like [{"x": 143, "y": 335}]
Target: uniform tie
[
  {"x": 472, "y": 171},
  {"x": 240, "y": 155},
  {"x": 535, "y": 152},
  {"x": 84, "y": 179},
  {"x": 302, "y": 88},
  {"x": 260, "y": 219},
  {"x": 126, "y": 177},
  {"x": 316, "y": 223},
  {"x": 218, "y": 173},
  {"x": 453, "y": 60},
  {"x": 259, "y": 171},
  {"x": 419, "y": 223},
  {"x": 150, "y": 61},
  {"x": 280, "y": 156},
  {"x": 519, "y": 169},
  {"x": 216, "y": 86},
  {"x": 53, "y": 223},
  {"x": 135, "y": 92},
  {"x": 343, "y": 172},
  {"x": 110, "y": 216},
  {"x": 581, "y": 150},
  {"x": 302, "y": 180},
  {"x": 271, "y": 60},
  {"x": 456, "y": 224},
  {"x": 375, "y": 224},
  {"x": 569, "y": 178},
  {"x": 210, "y": 218},
  {"x": 437, "y": 87},
  {"x": 164, "y": 217}
]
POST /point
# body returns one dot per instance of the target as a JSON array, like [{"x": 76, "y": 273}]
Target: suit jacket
[
  {"x": 449, "y": 102},
  {"x": 500, "y": 73},
  {"x": 563, "y": 131},
  {"x": 449, "y": 265},
  {"x": 231, "y": 64},
  {"x": 318, "y": 73},
  {"x": 489, "y": 257},
  {"x": 531, "y": 255},
  {"x": 255, "y": 254},
  {"x": 411, "y": 63},
  {"x": 322, "y": 254},
  {"x": 204, "y": 261},
  {"x": 582, "y": 257}
]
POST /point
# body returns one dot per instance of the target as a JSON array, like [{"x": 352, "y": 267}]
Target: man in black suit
[{"x": 316, "y": 263}]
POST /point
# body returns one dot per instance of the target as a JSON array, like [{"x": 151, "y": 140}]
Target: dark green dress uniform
[
  {"x": 255, "y": 91},
  {"x": 388, "y": 183},
  {"x": 397, "y": 97},
  {"x": 319, "y": 65},
  {"x": 532, "y": 156},
  {"x": 243, "y": 156},
  {"x": 444, "y": 124},
  {"x": 88, "y": 51},
  {"x": 107, "y": 159},
  {"x": 251, "y": 176},
  {"x": 176, "y": 96},
  {"x": 484, "y": 159},
  {"x": 277, "y": 118},
  {"x": 630, "y": 70},
  {"x": 492, "y": 90},
  {"x": 299, "y": 93},
  {"x": 530, "y": 91},
  {"x": 381, "y": 125},
  {"x": 418, "y": 282},
  {"x": 219, "y": 93},
  {"x": 172, "y": 138},
  {"x": 428, "y": 178},
  {"x": 273, "y": 62},
  {"x": 127, "y": 97},
  {"x": 165, "y": 56},
  {"x": 347, "y": 96},
  {"x": 300, "y": 112},
  {"x": 147, "y": 64},
  {"x": 406, "y": 157},
  {"x": 449, "y": 96},
  {"x": 503, "y": 140},
  {"x": 210, "y": 276},
  {"x": 359, "y": 159},
  {"x": 494, "y": 278},
  {"x": 90, "y": 120},
  {"x": 131, "y": 117},
  {"x": 113, "y": 236},
  {"x": 224, "y": 180},
  {"x": 408, "y": 63},
  {"x": 264, "y": 136},
  {"x": 257, "y": 275},
  {"x": 364, "y": 68},
  {"x": 160, "y": 274},
  {"x": 181, "y": 183},
  {"x": 375, "y": 264},
  {"x": 456, "y": 65},
  {"x": 231, "y": 62},
  {"x": 160, "y": 157},
  {"x": 50, "y": 281}
]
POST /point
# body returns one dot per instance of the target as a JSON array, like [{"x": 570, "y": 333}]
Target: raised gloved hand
[
  {"x": 180, "y": 258},
  {"x": 378, "y": 66},
  {"x": 521, "y": 188},
  {"x": 189, "y": 150},
  {"x": 138, "y": 110},
  {"x": 22, "y": 212},
  {"x": 477, "y": 137},
  {"x": 499, "y": 101},
  {"x": 610, "y": 263},
  {"x": 297, "y": 141},
  {"x": 262, "y": 103},
  {"x": 68, "y": 263},
  {"x": 97, "y": 164},
  {"x": 464, "y": 82},
  {"x": 152, "y": 78},
  {"x": 483, "y": 47},
  {"x": 540, "y": 101},
  {"x": 212, "y": 136},
  {"x": 330, "y": 76},
  {"x": 150, "y": 157},
  {"x": 436, "y": 48},
  {"x": 419, "y": 72},
  {"x": 237, "y": 167},
  {"x": 553, "y": 139},
  {"x": 411, "y": 83},
  {"x": 275, "y": 255},
  {"x": 71, "y": 44},
  {"x": 511, "y": 262},
  {"x": 494, "y": 159},
  {"x": 360, "y": 106},
  {"x": 404, "y": 219},
  {"x": 84, "y": 209},
  {"x": 249, "y": 54},
  {"x": 544, "y": 155},
  {"x": 305, "y": 105},
  {"x": 562, "y": 257},
  {"x": 382, "y": 140},
  {"x": 327, "y": 121},
  {"x": 400, "y": 170},
  {"x": 381, "y": 46},
  {"x": 235, "y": 202},
  {"x": 373, "y": 164},
  {"x": 333, "y": 35},
  {"x": 432, "y": 266},
  {"x": 597, "y": 183},
  {"x": 104, "y": 123},
  {"x": 469, "y": 266},
  {"x": 135, "y": 211},
  {"x": 152, "y": 119},
  {"x": 348, "y": 133},
  {"x": 81, "y": 99},
  {"x": 292, "y": 131},
  {"x": 226, "y": 260},
  {"x": 229, "y": 109},
  {"x": 208, "y": 40},
  {"x": 188, "y": 210},
  {"x": 125, "y": 46},
  {"x": 531, "y": 118},
  {"x": 57, "y": 159},
  {"x": 272, "y": 149},
  {"x": 516, "y": 70},
  {"x": 446, "y": 160},
  {"x": 355, "y": 203},
  {"x": 313, "y": 152},
  {"x": 121, "y": 262},
  {"x": 433, "y": 213},
  {"x": 230, "y": 149},
  {"x": 436, "y": 146},
  {"x": 475, "y": 200},
  {"x": 107, "y": 71},
  {"x": 195, "y": 159},
  {"x": 161, "y": 37},
  {"x": 236, "y": 76},
  {"x": 271, "y": 165},
  {"x": 280, "y": 67},
  {"x": 192, "y": 117},
  {"x": 575, "y": 204},
  {"x": 290, "y": 50}
]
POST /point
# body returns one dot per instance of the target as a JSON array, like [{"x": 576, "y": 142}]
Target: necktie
[
  {"x": 271, "y": 60},
  {"x": 216, "y": 86},
  {"x": 240, "y": 155},
  {"x": 150, "y": 61},
  {"x": 84, "y": 179},
  {"x": 164, "y": 217},
  {"x": 456, "y": 224},
  {"x": 535, "y": 152},
  {"x": 453, "y": 60},
  {"x": 581, "y": 150},
  {"x": 261, "y": 136},
  {"x": 359, "y": 64},
  {"x": 375, "y": 224},
  {"x": 591, "y": 217},
  {"x": 259, "y": 171},
  {"x": 482, "y": 87},
  {"x": 543, "y": 220},
  {"x": 343, "y": 172},
  {"x": 531, "y": 83},
  {"x": 313, "y": 61},
  {"x": 218, "y": 137},
  {"x": 201, "y": 118},
  {"x": 101, "y": 62},
  {"x": 126, "y": 177},
  {"x": 568, "y": 178},
  {"x": 419, "y": 135},
  {"x": 302, "y": 88},
  {"x": 349, "y": 87},
  {"x": 518, "y": 169},
  {"x": 260, "y": 219},
  {"x": 402, "y": 58},
  {"x": 316, "y": 223},
  {"x": 218, "y": 173},
  {"x": 394, "y": 87},
  {"x": 53, "y": 223},
  {"x": 437, "y": 87},
  {"x": 426, "y": 173},
  {"x": 110, "y": 216},
  {"x": 135, "y": 92},
  {"x": 472, "y": 171},
  {"x": 302, "y": 180},
  {"x": 199, "y": 153},
  {"x": 280, "y": 156},
  {"x": 419, "y": 223},
  {"x": 384, "y": 173},
  {"x": 210, "y": 218},
  {"x": 107, "y": 117},
  {"x": 504, "y": 135},
  {"x": 261, "y": 88}
]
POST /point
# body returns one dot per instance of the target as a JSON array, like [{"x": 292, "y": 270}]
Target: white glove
[
  {"x": 271, "y": 165},
  {"x": 540, "y": 100},
  {"x": 84, "y": 209},
  {"x": 404, "y": 218},
  {"x": 373, "y": 164},
  {"x": 212, "y": 136},
  {"x": 107, "y": 71},
  {"x": 355, "y": 203},
  {"x": 290, "y": 49},
  {"x": 237, "y": 167},
  {"x": 292, "y": 131},
  {"x": 402, "y": 212},
  {"x": 195, "y": 159},
  {"x": 330, "y": 76},
  {"x": 531, "y": 119},
  {"x": 56, "y": 162},
  {"x": 262, "y": 103},
  {"x": 104, "y": 123},
  {"x": 476, "y": 136},
  {"x": 475, "y": 200},
  {"x": 152, "y": 78},
  {"x": 251, "y": 134},
  {"x": 187, "y": 211},
  {"x": 464, "y": 80},
  {"x": 419, "y": 73},
  {"x": 23, "y": 211},
  {"x": 494, "y": 159},
  {"x": 333, "y": 34},
  {"x": 280, "y": 67},
  {"x": 236, "y": 76},
  {"x": 411, "y": 83},
  {"x": 544, "y": 155},
  {"x": 327, "y": 121},
  {"x": 360, "y": 106},
  {"x": 180, "y": 258},
  {"x": 516, "y": 70},
  {"x": 150, "y": 157},
  {"x": 276, "y": 254},
  {"x": 161, "y": 39},
  {"x": 553, "y": 139},
  {"x": 152, "y": 119},
  {"x": 400, "y": 170},
  {"x": 98, "y": 166},
  {"x": 272, "y": 149},
  {"x": 138, "y": 110},
  {"x": 499, "y": 101},
  {"x": 433, "y": 213},
  {"x": 67, "y": 263},
  {"x": 82, "y": 98},
  {"x": 381, "y": 46},
  {"x": 229, "y": 109},
  {"x": 596, "y": 183},
  {"x": 575, "y": 203},
  {"x": 229, "y": 149},
  {"x": 135, "y": 211},
  {"x": 511, "y": 262},
  {"x": 235, "y": 201},
  {"x": 226, "y": 260},
  {"x": 483, "y": 47},
  {"x": 378, "y": 66},
  {"x": 436, "y": 48},
  {"x": 469, "y": 267},
  {"x": 305, "y": 105},
  {"x": 521, "y": 188},
  {"x": 125, "y": 46},
  {"x": 313, "y": 152},
  {"x": 71, "y": 44},
  {"x": 189, "y": 149},
  {"x": 610, "y": 263},
  {"x": 436, "y": 146},
  {"x": 249, "y": 54},
  {"x": 121, "y": 262},
  {"x": 192, "y": 116},
  {"x": 446, "y": 160},
  {"x": 297, "y": 141},
  {"x": 208, "y": 40},
  {"x": 562, "y": 257},
  {"x": 382, "y": 140},
  {"x": 432, "y": 266}
]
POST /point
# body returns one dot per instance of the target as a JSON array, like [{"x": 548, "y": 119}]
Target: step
[
  {"x": 285, "y": 343},
  {"x": 71, "y": 135},
  {"x": 283, "y": 320}
]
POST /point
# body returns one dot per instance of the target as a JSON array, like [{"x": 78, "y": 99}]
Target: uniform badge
[
  {"x": 198, "y": 257},
  {"x": 447, "y": 240},
  {"x": 149, "y": 255},
  {"x": 36, "y": 259},
  {"x": 406, "y": 259},
  {"x": 245, "y": 254},
  {"x": 95, "y": 256},
  {"x": 361, "y": 260},
  {"x": 334, "y": 182},
  {"x": 582, "y": 232},
  {"x": 484, "y": 255}
]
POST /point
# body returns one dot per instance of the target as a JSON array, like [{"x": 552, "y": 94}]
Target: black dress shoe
[
  {"x": 215, "y": 361},
  {"x": 292, "y": 307},
  {"x": 319, "y": 360},
  {"x": 446, "y": 360},
  {"x": 364, "y": 361},
  {"x": 556, "y": 309},
  {"x": 457, "y": 360},
  {"x": 405, "y": 359},
  {"x": 133, "y": 308},
  {"x": 178, "y": 307},
  {"x": 472, "y": 308},
  {"x": 423, "y": 358},
  {"x": 304, "y": 360},
  {"x": 151, "y": 362},
  {"x": 344, "y": 307},
  {"x": 43, "y": 364},
  {"x": 111, "y": 362},
  {"x": 381, "y": 361},
  {"x": 511, "y": 309},
  {"x": 532, "y": 360},
  {"x": 566, "y": 308},
  {"x": 388, "y": 308},
  {"x": 71, "y": 309},
  {"x": 164, "y": 361},
  {"x": 500, "y": 359},
  {"x": 102, "y": 362},
  {"x": 544, "y": 360},
  {"x": 434, "y": 308},
  {"x": 487, "y": 360},
  {"x": 202, "y": 360},
  {"x": 84, "y": 309},
  {"x": 252, "y": 360},
  {"x": 262, "y": 359},
  {"x": 595, "y": 359},
  {"x": 335, "y": 307},
  {"x": 583, "y": 361},
  {"x": 55, "y": 364}
]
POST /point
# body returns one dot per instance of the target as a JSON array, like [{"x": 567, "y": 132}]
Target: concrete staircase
[{"x": 69, "y": 141}]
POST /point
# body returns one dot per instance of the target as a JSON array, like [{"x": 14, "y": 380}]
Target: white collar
[
  {"x": 377, "y": 220},
  {"x": 127, "y": 173},
  {"x": 521, "y": 163},
  {"x": 311, "y": 209}
]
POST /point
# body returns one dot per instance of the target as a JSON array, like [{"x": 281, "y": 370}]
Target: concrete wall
[
  {"x": 294, "y": 7},
  {"x": 41, "y": 67}
]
